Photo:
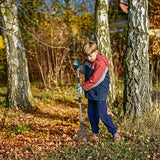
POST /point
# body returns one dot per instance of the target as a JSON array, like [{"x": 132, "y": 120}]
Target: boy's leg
[
  {"x": 93, "y": 116},
  {"x": 106, "y": 119}
]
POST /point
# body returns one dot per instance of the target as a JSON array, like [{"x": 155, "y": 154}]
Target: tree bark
[
  {"x": 137, "y": 89},
  {"x": 103, "y": 40},
  {"x": 19, "y": 93}
]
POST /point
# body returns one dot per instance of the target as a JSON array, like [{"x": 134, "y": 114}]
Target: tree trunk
[
  {"x": 103, "y": 40},
  {"x": 137, "y": 91},
  {"x": 19, "y": 93}
]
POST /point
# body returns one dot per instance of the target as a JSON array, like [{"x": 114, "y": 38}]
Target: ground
[{"x": 48, "y": 128}]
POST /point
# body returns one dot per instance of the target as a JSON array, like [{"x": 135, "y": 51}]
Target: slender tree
[
  {"x": 103, "y": 40},
  {"x": 19, "y": 93},
  {"x": 137, "y": 91}
]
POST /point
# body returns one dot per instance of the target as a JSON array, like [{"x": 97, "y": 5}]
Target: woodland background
[{"x": 53, "y": 36}]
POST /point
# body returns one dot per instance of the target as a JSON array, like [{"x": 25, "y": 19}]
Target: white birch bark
[
  {"x": 103, "y": 41},
  {"x": 19, "y": 93},
  {"x": 137, "y": 91}
]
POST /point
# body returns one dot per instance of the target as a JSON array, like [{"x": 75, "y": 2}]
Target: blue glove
[
  {"x": 79, "y": 89},
  {"x": 76, "y": 63}
]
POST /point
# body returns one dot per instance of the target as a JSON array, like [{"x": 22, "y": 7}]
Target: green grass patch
[{"x": 18, "y": 129}]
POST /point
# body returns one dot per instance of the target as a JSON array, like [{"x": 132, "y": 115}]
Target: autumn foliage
[{"x": 53, "y": 36}]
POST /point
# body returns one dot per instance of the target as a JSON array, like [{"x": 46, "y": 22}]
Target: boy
[{"x": 96, "y": 70}]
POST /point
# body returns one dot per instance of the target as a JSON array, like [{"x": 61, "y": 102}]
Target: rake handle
[{"x": 80, "y": 108}]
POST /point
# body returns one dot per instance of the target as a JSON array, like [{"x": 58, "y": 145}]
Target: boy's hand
[
  {"x": 79, "y": 89},
  {"x": 76, "y": 63}
]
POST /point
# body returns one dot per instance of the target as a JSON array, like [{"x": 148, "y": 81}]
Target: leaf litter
[
  {"x": 50, "y": 127},
  {"x": 25, "y": 133}
]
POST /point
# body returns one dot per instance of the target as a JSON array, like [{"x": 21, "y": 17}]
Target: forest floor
[{"x": 48, "y": 128}]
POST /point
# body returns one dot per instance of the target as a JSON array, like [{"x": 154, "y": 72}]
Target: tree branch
[
  {"x": 33, "y": 35},
  {"x": 43, "y": 43}
]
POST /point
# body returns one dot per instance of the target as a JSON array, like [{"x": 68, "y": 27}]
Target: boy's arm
[
  {"x": 97, "y": 77},
  {"x": 76, "y": 65},
  {"x": 82, "y": 69}
]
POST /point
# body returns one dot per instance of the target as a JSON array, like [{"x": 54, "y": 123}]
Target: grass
[{"x": 47, "y": 130}]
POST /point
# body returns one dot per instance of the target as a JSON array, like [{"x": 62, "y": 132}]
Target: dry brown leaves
[{"x": 38, "y": 131}]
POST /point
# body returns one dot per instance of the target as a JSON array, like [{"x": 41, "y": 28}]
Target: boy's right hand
[
  {"x": 79, "y": 89},
  {"x": 76, "y": 63}
]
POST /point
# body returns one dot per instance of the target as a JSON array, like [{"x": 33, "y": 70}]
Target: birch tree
[
  {"x": 103, "y": 40},
  {"x": 19, "y": 93},
  {"x": 137, "y": 91}
]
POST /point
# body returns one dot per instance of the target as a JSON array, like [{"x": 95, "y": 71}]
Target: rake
[{"x": 82, "y": 134}]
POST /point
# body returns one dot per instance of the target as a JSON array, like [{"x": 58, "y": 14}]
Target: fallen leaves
[
  {"x": 48, "y": 128},
  {"x": 37, "y": 130}
]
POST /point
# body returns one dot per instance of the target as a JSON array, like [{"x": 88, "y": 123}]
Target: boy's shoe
[
  {"x": 93, "y": 138},
  {"x": 116, "y": 138}
]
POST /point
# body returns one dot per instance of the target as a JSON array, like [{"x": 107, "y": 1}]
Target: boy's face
[{"x": 92, "y": 56}]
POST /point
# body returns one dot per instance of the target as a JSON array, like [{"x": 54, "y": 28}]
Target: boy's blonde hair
[{"x": 89, "y": 47}]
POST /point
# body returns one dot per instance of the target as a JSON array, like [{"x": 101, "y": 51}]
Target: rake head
[{"x": 81, "y": 136}]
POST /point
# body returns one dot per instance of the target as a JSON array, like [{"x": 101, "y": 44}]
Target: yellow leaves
[
  {"x": 153, "y": 32},
  {"x": 83, "y": 23},
  {"x": 154, "y": 50},
  {"x": 56, "y": 18},
  {"x": 74, "y": 29},
  {"x": 68, "y": 12},
  {"x": 158, "y": 111},
  {"x": 2, "y": 46}
]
